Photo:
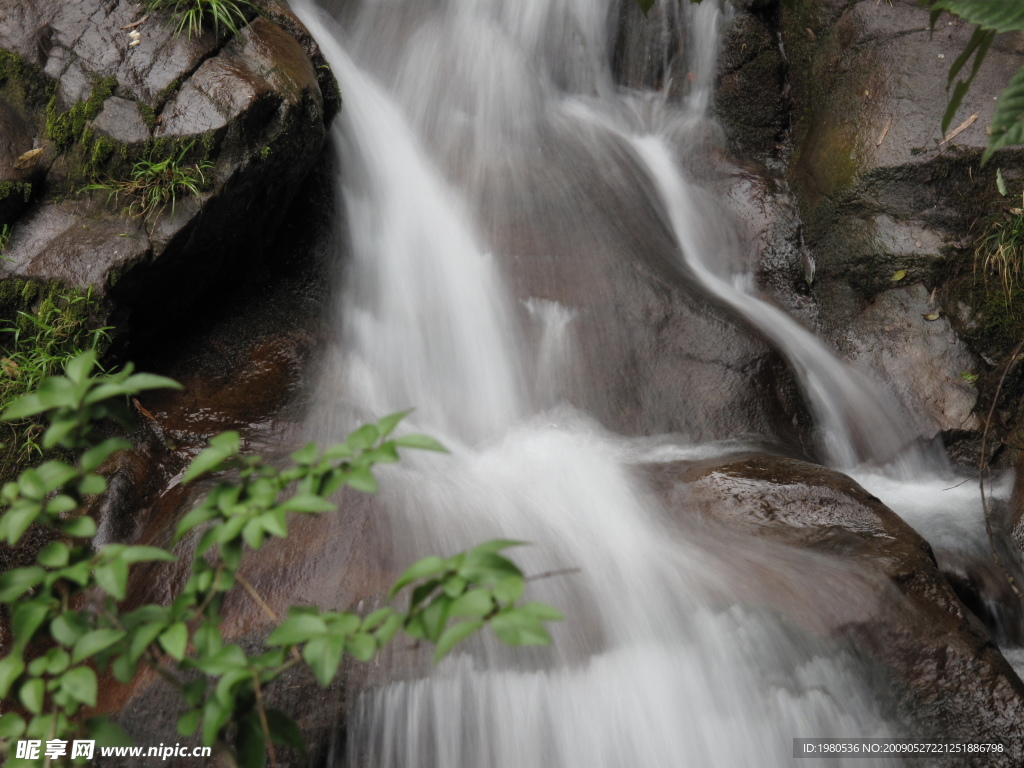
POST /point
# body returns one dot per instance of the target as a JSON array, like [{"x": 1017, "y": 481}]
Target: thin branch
[
  {"x": 263, "y": 604},
  {"x": 263, "y": 719},
  {"x": 550, "y": 574},
  {"x": 983, "y": 468}
]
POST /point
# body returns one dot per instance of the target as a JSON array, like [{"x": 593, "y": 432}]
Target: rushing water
[{"x": 451, "y": 106}]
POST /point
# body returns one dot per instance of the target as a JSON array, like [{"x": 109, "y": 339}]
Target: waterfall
[{"x": 656, "y": 664}]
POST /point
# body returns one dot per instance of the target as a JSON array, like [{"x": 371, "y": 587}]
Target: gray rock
[
  {"x": 919, "y": 357},
  {"x": 248, "y": 104},
  {"x": 121, "y": 121}
]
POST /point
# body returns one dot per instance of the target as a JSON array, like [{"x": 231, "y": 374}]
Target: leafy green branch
[{"x": 65, "y": 616}]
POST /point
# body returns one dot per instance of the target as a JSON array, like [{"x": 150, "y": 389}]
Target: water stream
[{"x": 448, "y": 106}]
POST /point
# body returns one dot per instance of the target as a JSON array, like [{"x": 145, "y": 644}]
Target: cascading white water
[{"x": 653, "y": 666}]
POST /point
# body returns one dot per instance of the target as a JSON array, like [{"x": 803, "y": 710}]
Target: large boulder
[
  {"x": 858, "y": 574},
  {"x": 100, "y": 86}
]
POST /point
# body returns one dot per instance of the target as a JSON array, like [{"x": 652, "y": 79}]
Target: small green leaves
[
  {"x": 93, "y": 642},
  {"x": 898, "y": 275},
  {"x": 223, "y": 447},
  {"x": 175, "y": 640},
  {"x": 80, "y": 684}
]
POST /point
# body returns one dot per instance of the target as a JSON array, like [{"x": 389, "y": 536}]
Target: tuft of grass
[
  {"x": 191, "y": 16},
  {"x": 999, "y": 254},
  {"x": 5, "y": 239},
  {"x": 36, "y": 345},
  {"x": 155, "y": 184}
]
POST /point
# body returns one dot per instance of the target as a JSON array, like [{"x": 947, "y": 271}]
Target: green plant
[
  {"x": 191, "y": 15},
  {"x": 66, "y": 620},
  {"x": 5, "y": 239},
  {"x": 999, "y": 252},
  {"x": 155, "y": 184},
  {"x": 990, "y": 17},
  {"x": 37, "y": 345}
]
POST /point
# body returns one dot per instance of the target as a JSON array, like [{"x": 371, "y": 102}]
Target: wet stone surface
[{"x": 866, "y": 579}]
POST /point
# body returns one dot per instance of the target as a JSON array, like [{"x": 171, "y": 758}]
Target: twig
[
  {"x": 983, "y": 466},
  {"x": 263, "y": 719},
  {"x": 549, "y": 574},
  {"x": 135, "y": 23},
  {"x": 885, "y": 131},
  {"x": 959, "y": 129},
  {"x": 263, "y": 604}
]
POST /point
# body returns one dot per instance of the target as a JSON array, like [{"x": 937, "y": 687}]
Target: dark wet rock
[
  {"x": 248, "y": 107},
  {"x": 16, "y": 138},
  {"x": 749, "y": 99},
  {"x": 865, "y": 578}
]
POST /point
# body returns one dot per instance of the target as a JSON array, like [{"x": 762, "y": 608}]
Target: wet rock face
[
  {"x": 245, "y": 113},
  {"x": 865, "y": 578}
]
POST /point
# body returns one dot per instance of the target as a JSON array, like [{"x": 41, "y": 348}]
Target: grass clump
[
  {"x": 37, "y": 344},
  {"x": 999, "y": 254},
  {"x": 154, "y": 184},
  {"x": 190, "y": 16}
]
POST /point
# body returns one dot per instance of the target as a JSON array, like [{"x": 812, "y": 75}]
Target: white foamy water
[{"x": 656, "y": 664}]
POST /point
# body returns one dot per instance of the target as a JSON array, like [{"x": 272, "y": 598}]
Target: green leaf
[
  {"x": 215, "y": 717},
  {"x": 96, "y": 455},
  {"x": 386, "y": 631},
  {"x": 898, "y": 275},
  {"x": 79, "y": 367},
  {"x": 174, "y": 640},
  {"x": 420, "y": 442},
  {"x": 54, "y": 555},
  {"x": 542, "y": 611},
  {"x": 197, "y": 516},
  {"x": 323, "y": 655},
  {"x": 17, "y": 519},
  {"x": 55, "y": 474},
  {"x": 107, "y": 733},
  {"x": 222, "y": 447},
  {"x": 476, "y": 603},
  {"x": 361, "y": 646},
  {"x": 11, "y": 666},
  {"x": 376, "y": 618},
  {"x": 94, "y": 642},
  {"x": 14, "y": 584},
  {"x": 250, "y": 746},
  {"x": 307, "y": 503},
  {"x": 454, "y": 635},
  {"x": 113, "y": 578},
  {"x": 510, "y": 589},
  {"x": 283, "y": 730},
  {"x": 297, "y": 629},
  {"x": 428, "y": 566},
  {"x": 364, "y": 437},
  {"x": 12, "y": 725},
  {"x": 68, "y": 628},
  {"x": 991, "y": 14},
  {"x": 519, "y": 627},
  {"x": 138, "y": 554},
  {"x": 362, "y": 479},
  {"x": 306, "y": 455},
  {"x": 1000, "y": 183},
  {"x": 92, "y": 485},
  {"x": 27, "y": 619},
  {"x": 31, "y": 695},
  {"x": 435, "y": 616},
  {"x": 140, "y": 382},
  {"x": 1008, "y": 118},
  {"x": 83, "y": 527},
  {"x": 387, "y": 425}
]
